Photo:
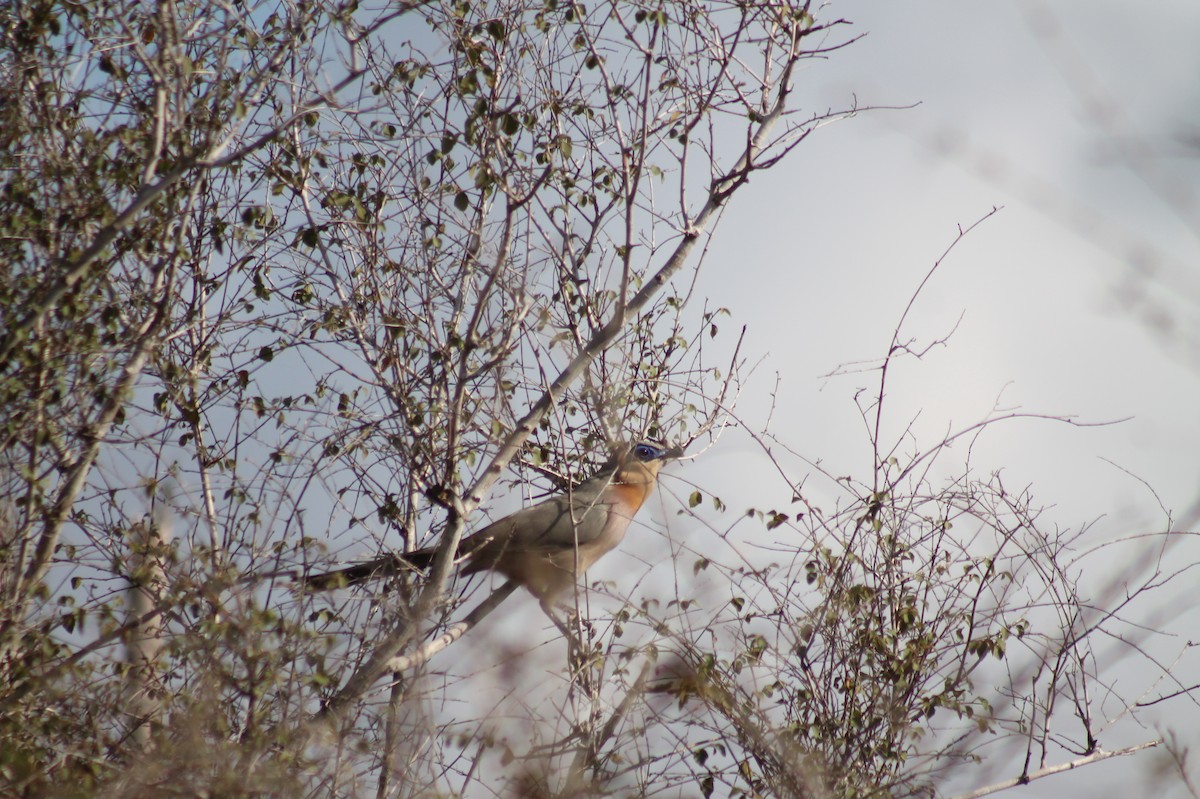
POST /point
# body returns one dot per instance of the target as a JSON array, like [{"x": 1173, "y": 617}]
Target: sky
[
  {"x": 843, "y": 233},
  {"x": 1077, "y": 298},
  {"x": 838, "y": 238}
]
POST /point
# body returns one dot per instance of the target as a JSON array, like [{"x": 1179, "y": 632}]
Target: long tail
[{"x": 386, "y": 566}]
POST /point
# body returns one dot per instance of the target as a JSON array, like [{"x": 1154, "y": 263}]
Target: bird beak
[{"x": 672, "y": 454}]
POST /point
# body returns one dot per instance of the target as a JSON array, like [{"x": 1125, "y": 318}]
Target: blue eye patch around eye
[{"x": 648, "y": 452}]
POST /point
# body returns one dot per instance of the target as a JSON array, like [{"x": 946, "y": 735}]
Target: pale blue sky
[{"x": 832, "y": 244}]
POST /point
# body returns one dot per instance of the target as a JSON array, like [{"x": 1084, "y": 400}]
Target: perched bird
[{"x": 545, "y": 546}]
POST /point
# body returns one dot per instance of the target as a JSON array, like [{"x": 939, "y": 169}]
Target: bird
[{"x": 543, "y": 547}]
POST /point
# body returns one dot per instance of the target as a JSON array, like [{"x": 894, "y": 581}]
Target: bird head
[{"x": 638, "y": 463}]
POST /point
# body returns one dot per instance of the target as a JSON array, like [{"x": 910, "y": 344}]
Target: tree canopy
[{"x": 291, "y": 284}]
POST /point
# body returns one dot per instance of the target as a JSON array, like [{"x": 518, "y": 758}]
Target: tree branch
[{"x": 1025, "y": 779}]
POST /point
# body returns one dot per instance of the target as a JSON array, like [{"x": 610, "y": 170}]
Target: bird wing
[{"x": 554, "y": 524}]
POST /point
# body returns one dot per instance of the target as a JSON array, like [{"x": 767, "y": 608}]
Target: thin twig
[{"x": 1025, "y": 779}]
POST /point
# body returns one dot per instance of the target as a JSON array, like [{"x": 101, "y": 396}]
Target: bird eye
[{"x": 645, "y": 452}]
